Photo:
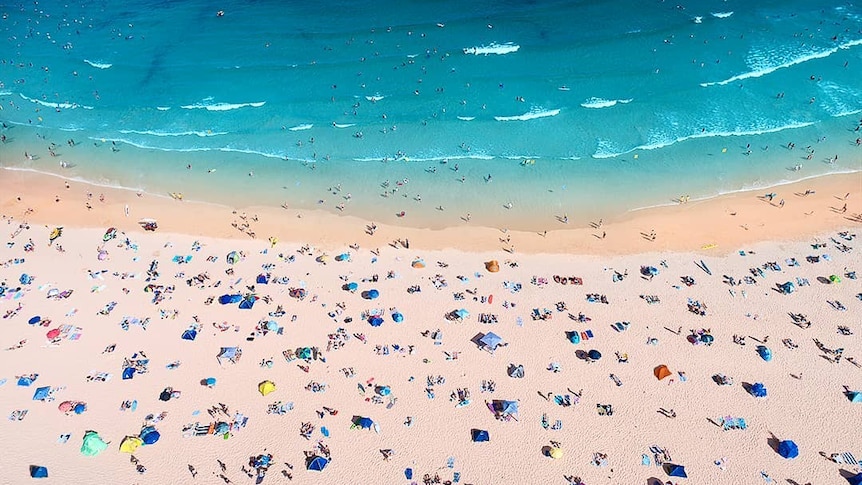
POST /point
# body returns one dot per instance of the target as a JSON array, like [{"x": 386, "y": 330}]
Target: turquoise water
[{"x": 621, "y": 104}]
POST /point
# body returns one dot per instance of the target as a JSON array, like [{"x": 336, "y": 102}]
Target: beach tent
[
  {"x": 649, "y": 270},
  {"x": 764, "y": 352},
  {"x": 42, "y": 393},
  {"x": 675, "y": 470},
  {"x": 418, "y": 263},
  {"x": 855, "y": 479},
  {"x": 480, "y": 435},
  {"x": 594, "y": 354},
  {"x": 854, "y": 396},
  {"x": 375, "y": 320},
  {"x": 262, "y": 279},
  {"x": 788, "y": 449},
  {"x": 317, "y": 463},
  {"x": 362, "y": 422},
  {"x": 190, "y": 334},
  {"x": 232, "y": 257},
  {"x": 555, "y": 453},
  {"x": 130, "y": 444},
  {"x": 787, "y": 288},
  {"x": 38, "y": 471},
  {"x": 25, "y": 381},
  {"x": 758, "y": 390},
  {"x": 228, "y": 299},
  {"x": 491, "y": 341},
  {"x": 128, "y": 373},
  {"x": 492, "y": 266},
  {"x": 397, "y": 317},
  {"x": 149, "y": 435},
  {"x": 266, "y": 387},
  {"x": 661, "y": 372},
  {"x": 93, "y": 444},
  {"x": 231, "y": 354}
]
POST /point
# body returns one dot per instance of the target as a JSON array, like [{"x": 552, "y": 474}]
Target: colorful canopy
[
  {"x": 788, "y": 449},
  {"x": 130, "y": 444},
  {"x": 93, "y": 444},
  {"x": 317, "y": 463},
  {"x": 266, "y": 387}
]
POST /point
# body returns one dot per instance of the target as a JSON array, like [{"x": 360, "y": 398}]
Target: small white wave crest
[
  {"x": 721, "y": 15},
  {"x": 301, "y": 127},
  {"x": 223, "y": 106},
  {"x": 531, "y": 115},
  {"x": 466, "y": 118},
  {"x": 595, "y": 103},
  {"x": 493, "y": 48},
  {"x": 56, "y": 105},
  {"x": 201, "y": 134},
  {"x": 98, "y": 65}
]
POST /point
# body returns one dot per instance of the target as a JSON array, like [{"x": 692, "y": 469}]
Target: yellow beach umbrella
[
  {"x": 266, "y": 387},
  {"x": 130, "y": 444},
  {"x": 556, "y": 453}
]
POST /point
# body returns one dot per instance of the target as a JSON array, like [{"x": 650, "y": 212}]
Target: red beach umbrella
[{"x": 53, "y": 333}]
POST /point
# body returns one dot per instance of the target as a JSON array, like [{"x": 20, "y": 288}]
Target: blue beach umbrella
[
  {"x": 79, "y": 408},
  {"x": 317, "y": 463},
  {"x": 38, "y": 471},
  {"x": 128, "y": 373},
  {"x": 372, "y": 294},
  {"x": 397, "y": 317},
  {"x": 210, "y": 381},
  {"x": 855, "y": 479},
  {"x": 35, "y": 320},
  {"x": 594, "y": 355},
  {"x": 788, "y": 449},
  {"x": 42, "y": 393},
  {"x": 375, "y": 321},
  {"x": 758, "y": 390},
  {"x": 675, "y": 470},
  {"x": 854, "y": 396},
  {"x": 764, "y": 352},
  {"x": 479, "y": 435},
  {"x": 352, "y": 286},
  {"x": 149, "y": 435},
  {"x": 25, "y": 381}
]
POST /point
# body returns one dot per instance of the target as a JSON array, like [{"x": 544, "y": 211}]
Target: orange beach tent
[{"x": 661, "y": 372}]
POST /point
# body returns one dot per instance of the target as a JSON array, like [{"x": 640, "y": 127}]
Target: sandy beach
[{"x": 350, "y": 322}]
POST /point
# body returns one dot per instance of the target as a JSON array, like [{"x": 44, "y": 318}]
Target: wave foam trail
[
  {"x": 301, "y": 127},
  {"x": 201, "y": 134},
  {"x": 163, "y": 108},
  {"x": 721, "y": 15},
  {"x": 343, "y": 125},
  {"x": 374, "y": 98},
  {"x": 223, "y": 106},
  {"x": 98, "y": 65},
  {"x": 792, "y": 62},
  {"x": 55, "y": 105},
  {"x": 466, "y": 118},
  {"x": 493, "y": 48},
  {"x": 531, "y": 115},
  {"x": 596, "y": 103},
  {"x": 606, "y": 149}
]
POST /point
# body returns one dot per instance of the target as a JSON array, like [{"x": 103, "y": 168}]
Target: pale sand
[{"x": 812, "y": 411}]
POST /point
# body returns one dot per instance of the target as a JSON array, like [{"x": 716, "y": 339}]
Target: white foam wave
[
  {"x": 531, "y": 115},
  {"x": 223, "y": 106},
  {"x": 596, "y": 103},
  {"x": 98, "y": 65},
  {"x": 374, "y": 98},
  {"x": 607, "y": 150},
  {"x": 840, "y": 100},
  {"x": 5, "y": 93},
  {"x": 493, "y": 48},
  {"x": 439, "y": 158},
  {"x": 343, "y": 125},
  {"x": 466, "y": 118},
  {"x": 201, "y": 134},
  {"x": 301, "y": 127},
  {"x": 769, "y": 69},
  {"x": 163, "y": 108},
  {"x": 55, "y": 105},
  {"x": 721, "y": 15}
]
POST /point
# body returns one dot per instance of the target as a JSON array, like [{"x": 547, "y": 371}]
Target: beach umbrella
[
  {"x": 272, "y": 325},
  {"x": 42, "y": 393},
  {"x": 758, "y": 390},
  {"x": 128, "y": 373},
  {"x": 103, "y": 255},
  {"x": 266, "y": 387},
  {"x": 35, "y": 320},
  {"x": 594, "y": 354},
  {"x": 855, "y": 479},
  {"x": 130, "y": 444},
  {"x": 835, "y": 279},
  {"x": 317, "y": 463},
  {"x": 854, "y": 396},
  {"x": 418, "y": 263},
  {"x": 38, "y": 471},
  {"x": 397, "y": 317},
  {"x": 65, "y": 406},
  {"x": 304, "y": 353},
  {"x": 661, "y": 372},
  {"x": 79, "y": 408},
  {"x": 462, "y": 313},
  {"x": 372, "y": 294},
  {"x": 375, "y": 321},
  {"x": 788, "y": 449},
  {"x": 479, "y": 435},
  {"x": 165, "y": 395},
  {"x": 675, "y": 470},
  {"x": 93, "y": 444},
  {"x": 352, "y": 286},
  {"x": 222, "y": 427},
  {"x": 262, "y": 279},
  {"x": 53, "y": 333},
  {"x": 149, "y": 435},
  {"x": 491, "y": 340},
  {"x": 232, "y": 257},
  {"x": 25, "y": 279},
  {"x": 228, "y": 299},
  {"x": 383, "y": 390},
  {"x": 764, "y": 352},
  {"x": 555, "y": 453},
  {"x": 190, "y": 334},
  {"x": 707, "y": 338},
  {"x": 363, "y": 422}
]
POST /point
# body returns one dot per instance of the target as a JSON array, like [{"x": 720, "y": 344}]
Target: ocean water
[{"x": 373, "y": 108}]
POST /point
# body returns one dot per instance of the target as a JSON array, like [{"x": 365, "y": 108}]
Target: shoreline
[{"x": 734, "y": 219}]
